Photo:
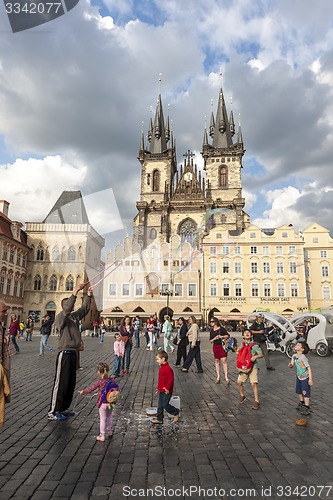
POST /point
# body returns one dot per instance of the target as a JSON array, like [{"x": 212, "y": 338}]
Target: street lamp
[
  {"x": 205, "y": 311},
  {"x": 167, "y": 293}
]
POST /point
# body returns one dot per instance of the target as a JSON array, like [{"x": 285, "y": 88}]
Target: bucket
[{"x": 175, "y": 401}]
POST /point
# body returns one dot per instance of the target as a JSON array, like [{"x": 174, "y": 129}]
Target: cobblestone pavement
[{"x": 226, "y": 449}]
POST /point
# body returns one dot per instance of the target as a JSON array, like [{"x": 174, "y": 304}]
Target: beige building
[
  {"x": 164, "y": 278},
  {"x": 13, "y": 261},
  {"x": 318, "y": 262},
  {"x": 65, "y": 251}
]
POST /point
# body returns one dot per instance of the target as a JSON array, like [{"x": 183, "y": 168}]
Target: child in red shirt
[{"x": 164, "y": 389}]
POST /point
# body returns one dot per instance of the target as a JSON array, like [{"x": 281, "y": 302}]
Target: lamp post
[
  {"x": 205, "y": 311},
  {"x": 167, "y": 293}
]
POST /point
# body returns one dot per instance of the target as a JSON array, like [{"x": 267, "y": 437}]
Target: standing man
[
  {"x": 45, "y": 332},
  {"x": 14, "y": 331},
  {"x": 67, "y": 327},
  {"x": 6, "y": 347},
  {"x": 258, "y": 331}
]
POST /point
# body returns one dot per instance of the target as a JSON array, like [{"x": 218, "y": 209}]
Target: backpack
[
  {"x": 231, "y": 344},
  {"x": 111, "y": 393},
  {"x": 243, "y": 361}
]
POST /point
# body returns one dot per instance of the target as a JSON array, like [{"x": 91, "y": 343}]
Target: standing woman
[
  {"x": 194, "y": 352},
  {"x": 126, "y": 332},
  {"x": 218, "y": 334},
  {"x": 182, "y": 341}
]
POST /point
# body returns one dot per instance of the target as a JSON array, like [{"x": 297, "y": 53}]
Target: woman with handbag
[
  {"x": 126, "y": 331},
  {"x": 217, "y": 336},
  {"x": 181, "y": 341}
]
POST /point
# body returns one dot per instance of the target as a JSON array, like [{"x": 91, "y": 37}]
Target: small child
[
  {"x": 164, "y": 389},
  {"x": 303, "y": 376},
  {"x": 251, "y": 374},
  {"x": 119, "y": 351},
  {"x": 105, "y": 411}
]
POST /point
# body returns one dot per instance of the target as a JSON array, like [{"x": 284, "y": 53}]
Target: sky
[{"x": 74, "y": 93}]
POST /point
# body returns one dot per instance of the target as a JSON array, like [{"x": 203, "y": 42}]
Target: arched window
[
  {"x": 55, "y": 253},
  {"x": 53, "y": 283},
  {"x": 156, "y": 180},
  {"x": 37, "y": 282},
  {"x": 223, "y": 176},
  {"x": 69, "y": 284},
  {"x": 187, "y": 230},
  {"x": 71, "y": 253},
  {"x": 153, "y": 233},
  {"x": 40, "y": 253},
  {"x": 223, "y": 219}
]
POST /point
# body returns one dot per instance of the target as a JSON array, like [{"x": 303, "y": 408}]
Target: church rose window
[{"x": 187, "y": 230}]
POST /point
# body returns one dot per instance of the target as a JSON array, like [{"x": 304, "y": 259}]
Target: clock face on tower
[{"x": 188, "y": 176}]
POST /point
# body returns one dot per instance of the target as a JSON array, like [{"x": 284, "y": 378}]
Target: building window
[
  {"x": 253, "y": 250},
  {"x": 2, "y": 284},
  {"x": 279, "y": 267},
  {"x": 226, "y": 289},
  {"x": 267, "y": 290},
  {"x": 175, "y": 263},
  {"x": 213, "y": 267},
  {"x": 225, "y": 250},
  {"x": 192, "y": 290},
  {"x": 15, "y": 288},
  {"x": 139, "y": 289},
  {"x": 156, "y": 180},
  {"x": 223, "y": 176},
  {"x": 218, "y": 235},
  {"x": 9, "y": 285},
  {"x": 314, "y": 240},
  {"x": 179, "y": 289},
  {"x": 37, "y": 283},
  {"x": 294, "y": 290},
  {"x": 238, "y": 289},
  {"x": 164, "y": 287},
  {"x": 21, "y": 290},
  {"x": 253, "y": 235},
  {"x": 112, "y": 289},
  {"x": 284, "y": 235},
  {"x": 324, "y": 271},
  {"x": 266, "y": 267},
  {"x": 153, "y": 233},
  {"x": 279, "y": 250},
  {"x": 307, "y": 271},
  {"x": 323, "y": 254},
  {"x": 254, "y": 267},
  {"x": 184, "y": 263},
  {"x": 238, "y": 267},
  {"x": 71, "y": 253},
  {"x": 292, "y": 267},
  {"x": 125, "y": 290},
  {"x": 5, "y": 253},
  {"x": 265, "y": 250},
  {"x": 11, "y": 255},
  {"x": 237, "y": 250},
  {"x": 225, "y": 267},
  {"x": 166, "y": 263},
  {"x": 326, "y": 293},
  {"x": 212, "y": 250},
  {"x": 280, "y": 290},
  {"x": 18, "y": 259},
  {"x": 40, "y": 253},
  {"x": 292, "y": 250},
  {"x": 69, "y": 284},
  {"x": 254, "y": 290},
  {"x": 213, "y": 290},
  {"x": 53, "y": 283}
]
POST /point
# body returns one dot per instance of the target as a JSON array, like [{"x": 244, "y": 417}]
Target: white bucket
[
  {"x": 175, "y": 401},
  {"x": 151, "y": 412}
]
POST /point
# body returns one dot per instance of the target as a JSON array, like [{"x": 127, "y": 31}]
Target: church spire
[{"x": 221, "y": 135}]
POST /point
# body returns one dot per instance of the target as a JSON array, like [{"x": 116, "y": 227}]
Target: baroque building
[
  {"x": 65, "y": 250},
  {"x": 13, "y": 261}
]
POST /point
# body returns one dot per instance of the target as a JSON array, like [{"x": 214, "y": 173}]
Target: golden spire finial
[{"x": 160, "y": 80}]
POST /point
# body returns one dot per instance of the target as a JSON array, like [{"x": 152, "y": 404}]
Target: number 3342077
[{"x": 32, "y": 8}]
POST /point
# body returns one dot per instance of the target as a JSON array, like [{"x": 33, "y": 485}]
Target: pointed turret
[
  {"x": 222, "y": 136},
  {"x": 239, "y": 134},
  {"x": 158, "y": 142},
  {"x": 232, "y": 124}
]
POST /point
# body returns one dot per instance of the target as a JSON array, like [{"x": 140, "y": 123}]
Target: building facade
[
  {"x": 65, "y": 251},
  {"x": 13, "y": 261}
]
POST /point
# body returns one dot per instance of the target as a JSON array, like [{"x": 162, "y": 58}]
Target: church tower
[
  {"x": 223, "y": 164},
  {"x": 184, "y": 201}
]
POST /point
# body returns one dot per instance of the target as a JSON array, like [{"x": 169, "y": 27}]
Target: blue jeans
[
  {"x": 127, "y": 357},
  {"x": 43, "y": 344},
  {"x": 164, "y": 404},
  {"x": 137, "y": 338},
  {"x": 117, "y": 365},
  {"x": 13, "y": 337},
  {"x": 101, "y": 337}
]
